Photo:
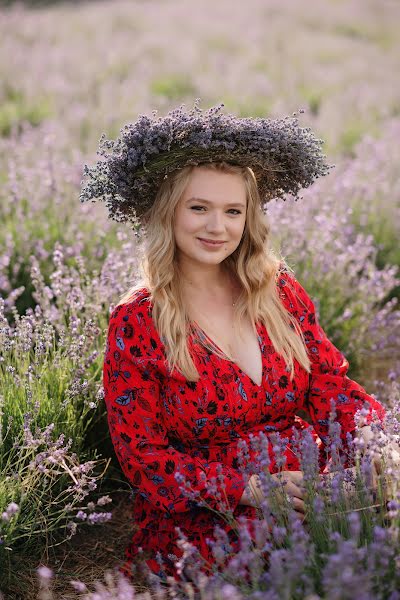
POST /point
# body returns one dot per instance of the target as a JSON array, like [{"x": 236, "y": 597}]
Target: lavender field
[{"x": 72, "y": 71}]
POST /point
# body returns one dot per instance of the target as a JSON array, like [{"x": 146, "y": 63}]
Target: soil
[{"x": 86, "y": 557}]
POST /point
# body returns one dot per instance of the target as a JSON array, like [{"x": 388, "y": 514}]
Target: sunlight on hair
[{"x": 254, "y": 264}]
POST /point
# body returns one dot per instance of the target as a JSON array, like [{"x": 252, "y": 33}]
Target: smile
[{"x": 211, "y": 242}]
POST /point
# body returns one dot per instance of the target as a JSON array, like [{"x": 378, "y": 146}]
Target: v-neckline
[{"x": 235, "y": 364}]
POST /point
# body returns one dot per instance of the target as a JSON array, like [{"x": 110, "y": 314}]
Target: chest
[
  {"x": 226, "y": 403},
  {"x": 242, "y": 347}
]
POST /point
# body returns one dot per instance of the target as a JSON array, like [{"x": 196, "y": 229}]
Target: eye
[{"x": 239, "y": 212}]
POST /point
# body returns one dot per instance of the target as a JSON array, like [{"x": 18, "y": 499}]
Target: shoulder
[
  {"x": 286, "y": 281},
  {"x": 292, "y": 293},
  {"x": 131, "y": 326},
  {"x": 140, "y": 304},
  {"x": 132, "y": 319}
]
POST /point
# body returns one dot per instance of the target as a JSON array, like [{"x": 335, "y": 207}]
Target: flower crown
[{"x": 283, "y": 156}]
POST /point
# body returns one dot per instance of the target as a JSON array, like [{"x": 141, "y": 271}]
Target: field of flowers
[{"x": 71, "y": 71}]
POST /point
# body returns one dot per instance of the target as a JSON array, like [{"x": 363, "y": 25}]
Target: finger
[
  {"x": 295, "y": 490},
  {"x": 298, "y": 481},
  {"x": 301, "y": 516},
  {"x": 290, "y": 490},
  {"x": 298, "y": 505},
  {"x": 288, "y": 475},
  {"x": 377, "y": 464},
  {"x": 394, "y": 455},
  {"x": 296, "y": 477}
]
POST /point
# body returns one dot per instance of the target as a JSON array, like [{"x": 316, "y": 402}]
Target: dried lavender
[{"x": 284, "y": 157}]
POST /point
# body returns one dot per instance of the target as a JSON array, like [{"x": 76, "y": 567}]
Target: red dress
[{"x": 160, "y": 422}]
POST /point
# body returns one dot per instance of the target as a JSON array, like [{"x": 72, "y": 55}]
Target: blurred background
[
  {"x": 73, "y": 70},
  {"x": 70, "y": 71}
]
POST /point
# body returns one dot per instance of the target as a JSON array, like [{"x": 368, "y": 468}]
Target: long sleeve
[
  {"x": 132, "y": 381},
  {"x": 328, "y": 378}
]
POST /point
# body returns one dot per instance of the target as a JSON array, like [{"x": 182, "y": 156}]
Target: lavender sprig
[{"x": 284, "y": 156}]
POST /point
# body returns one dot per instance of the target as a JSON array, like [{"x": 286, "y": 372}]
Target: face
[{"x": 213, "y": 207}]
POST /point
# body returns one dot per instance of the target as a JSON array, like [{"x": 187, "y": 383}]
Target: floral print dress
[{"x": 160, "y": 423}]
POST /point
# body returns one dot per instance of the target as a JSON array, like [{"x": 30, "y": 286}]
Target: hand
[
  {"x": 348, "y": 485},
  {"x": 252, "y": 495},
  {"x": 292, "y": 486},
  {"x": 392, "y": 459},
  {"x": 387, "y": 449}
]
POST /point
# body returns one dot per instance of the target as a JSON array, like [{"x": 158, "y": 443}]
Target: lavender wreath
[{"x": 284, "y": 157}]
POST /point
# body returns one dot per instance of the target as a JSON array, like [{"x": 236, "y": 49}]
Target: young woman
[{"x": 216, "y": 342}]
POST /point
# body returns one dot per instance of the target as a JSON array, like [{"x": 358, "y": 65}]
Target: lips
[{"x": 212, "y": 241}]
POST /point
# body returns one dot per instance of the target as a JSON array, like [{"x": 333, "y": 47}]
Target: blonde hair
[{"x": 253, "y": 263}]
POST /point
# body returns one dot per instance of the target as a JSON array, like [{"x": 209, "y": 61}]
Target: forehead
[{"x": 215, "y": 187}]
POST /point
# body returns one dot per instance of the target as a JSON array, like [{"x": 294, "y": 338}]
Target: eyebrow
[{"x": 209, "y": 202}]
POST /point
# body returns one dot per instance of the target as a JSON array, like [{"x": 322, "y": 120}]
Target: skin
[
  {"x": 292, "y": 481},
  {"x": 202, "y": 269},
  {"x": 292, "y": 485},
  {"x": 203, "y": 273}
]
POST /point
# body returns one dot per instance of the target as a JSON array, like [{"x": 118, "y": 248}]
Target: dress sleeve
[
  {"x": 131, "y": 382},
  {"x": 328, "y": 378}
]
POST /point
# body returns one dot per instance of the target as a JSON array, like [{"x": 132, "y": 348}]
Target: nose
[{"x": 215, "y": 222}]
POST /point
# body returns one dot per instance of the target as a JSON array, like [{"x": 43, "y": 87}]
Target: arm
[
  {"x": 131, "y": 382},
  {"x": 385, "y": 446},
  {"x": 328, "y": 378},
  {"x": 252, "y": 495}
]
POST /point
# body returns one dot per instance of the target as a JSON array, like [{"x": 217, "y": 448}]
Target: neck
[
  {"x": 210, "y": 280},
  {"x": 206, "y": 298}
]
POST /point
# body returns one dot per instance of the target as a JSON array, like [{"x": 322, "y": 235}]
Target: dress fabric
[{"x": 160, "y": 423}]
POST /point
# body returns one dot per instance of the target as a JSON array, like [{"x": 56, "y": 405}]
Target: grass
[
  {"x": 250, "y": 107},
  {"x": 173, "y": 87},
  {"x": 86, "y": 557},
  {"x": 16, "y": 108}
]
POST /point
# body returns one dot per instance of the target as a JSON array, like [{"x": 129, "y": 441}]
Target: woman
[{"x": 217, "y": 340}]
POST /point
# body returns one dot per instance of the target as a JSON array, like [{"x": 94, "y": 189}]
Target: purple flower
[
  {"x": 44, "y": 572},
  {"x": 10, "y": 511},
  {"x": 134, "y": 166},
  {"x": 79, "y": 586},
  {"x": 95, "y": 518}
]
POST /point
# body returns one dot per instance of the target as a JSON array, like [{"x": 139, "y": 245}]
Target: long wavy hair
[{"x": 253, "y": 264}]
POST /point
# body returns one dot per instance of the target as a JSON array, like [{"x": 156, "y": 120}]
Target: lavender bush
[
  {"x": 46, "y": 405},
  {"x": 372, "y": 183},
  {"x": 342, "y": 259},
  {"x": 47, "y": 484},
  {"x": 63, "y": 265},
  {"x": 39, "y": 220},
  {"x": 333, "y": 63},
  {"x": 50, "y": 400},
  {"x": 347, "y": 548}
]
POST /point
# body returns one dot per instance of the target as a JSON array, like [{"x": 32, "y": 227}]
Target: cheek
[
  {"x": 188, "y": 223},
  {"x": 184, "y": 226},
  {"x": 240, "y": 227}
]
